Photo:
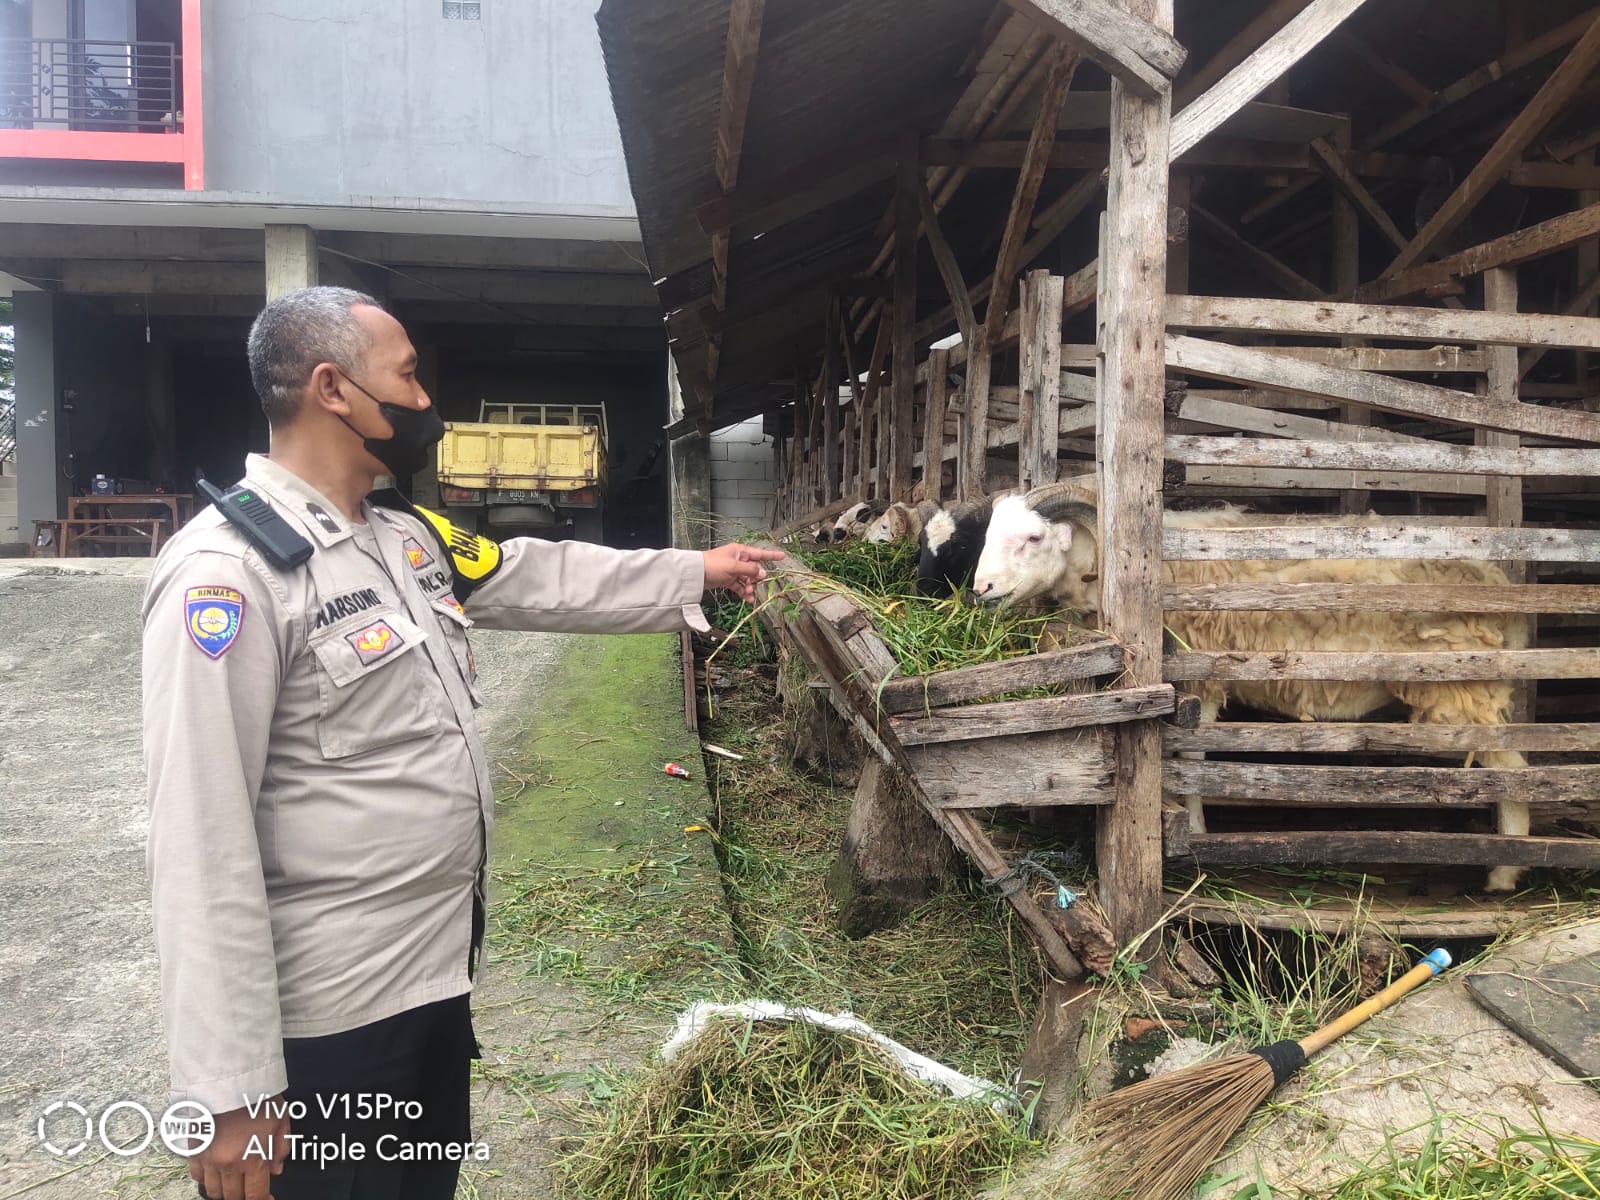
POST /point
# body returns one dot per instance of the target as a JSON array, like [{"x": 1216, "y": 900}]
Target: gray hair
[{"x": 294, "y": 333}]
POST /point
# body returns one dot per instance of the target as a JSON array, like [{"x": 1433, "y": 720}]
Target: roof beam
[
  {"x": 1134, "y": 51},
  {"x": 1029, "y": 180},
  {"x": 1491, "y": 72},
  {"x": 1238, "y": 48},
  {"x": 1266, "y": 66},
  {"x": 1525, "y": 245},
  {"x": 1338, "y": 170},
  {"x": 1563, "y": 83},
  {"x": 738, "y": 81}
]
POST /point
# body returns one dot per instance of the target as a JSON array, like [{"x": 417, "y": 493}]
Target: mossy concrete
[
  {"x": 579, "y": 729},
  {"x": 600, "y": 734}
]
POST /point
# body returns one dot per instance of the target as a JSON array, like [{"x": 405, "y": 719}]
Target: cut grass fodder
[
  {"x": 926, "y": 635},
  {"x": 1510, "y": 1164},
  {"x": 787, "y": 1111}
]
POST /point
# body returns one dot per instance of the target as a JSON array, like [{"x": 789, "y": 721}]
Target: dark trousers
[{"x": 380, "y": 1102}]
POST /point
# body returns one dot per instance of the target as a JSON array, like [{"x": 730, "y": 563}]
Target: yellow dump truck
[{"x": 527, "y": 468}]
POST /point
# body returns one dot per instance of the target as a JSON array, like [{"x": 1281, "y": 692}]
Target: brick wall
[{"x": 741, "y": 479}]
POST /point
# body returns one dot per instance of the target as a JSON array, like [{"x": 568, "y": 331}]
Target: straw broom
[{"x": 1153, "y": 1139}]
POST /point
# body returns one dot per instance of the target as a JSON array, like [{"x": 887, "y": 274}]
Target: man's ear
[{"x": 327, "y": 389}]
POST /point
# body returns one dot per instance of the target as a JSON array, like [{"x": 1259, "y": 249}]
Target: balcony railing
[{"x": 81, "y": 84}]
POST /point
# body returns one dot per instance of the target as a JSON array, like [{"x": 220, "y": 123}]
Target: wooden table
[{"x": 115, "y": 519}]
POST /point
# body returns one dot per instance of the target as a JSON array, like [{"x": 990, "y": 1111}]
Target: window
[{"x": 464, "y": 10}]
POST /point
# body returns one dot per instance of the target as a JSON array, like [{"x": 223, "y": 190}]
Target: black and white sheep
[
  {"x": 949, "y": 547},
  {"x": 1045, "y": 548}
]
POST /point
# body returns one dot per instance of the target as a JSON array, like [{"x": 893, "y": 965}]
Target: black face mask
[{"x": 416, "y": 432}]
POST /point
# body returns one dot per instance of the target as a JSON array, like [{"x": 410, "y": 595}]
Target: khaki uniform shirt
[{"x": 320, "y": 802}]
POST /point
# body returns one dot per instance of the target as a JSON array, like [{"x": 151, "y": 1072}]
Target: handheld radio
[{"x": 282, "y": 544}]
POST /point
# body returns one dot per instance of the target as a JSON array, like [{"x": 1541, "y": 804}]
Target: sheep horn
[{"x": 1058, "y": 507}]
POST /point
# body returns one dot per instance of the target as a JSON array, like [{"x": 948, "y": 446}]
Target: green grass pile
[
  {"x": 1521, "y": 1165},
  {"x": 788, "y": 1111},
  {"x": 925, "y": 635}
]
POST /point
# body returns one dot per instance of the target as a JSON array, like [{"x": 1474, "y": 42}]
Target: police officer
[{"x": 320, "y": 803}]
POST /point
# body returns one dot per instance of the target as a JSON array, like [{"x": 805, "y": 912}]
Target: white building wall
[{"x": 742, "y": 474}]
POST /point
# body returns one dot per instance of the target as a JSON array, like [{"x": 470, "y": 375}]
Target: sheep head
[
  {"x": 1041, "y": 546},
  {"x": 890, "y": 527}
]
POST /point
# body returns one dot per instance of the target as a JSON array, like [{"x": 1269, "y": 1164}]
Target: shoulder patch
[
  {"x": 213, "y": 616},
  {"x": 475, "y": 558}
]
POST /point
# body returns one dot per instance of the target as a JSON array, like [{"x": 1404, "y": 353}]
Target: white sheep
[
  {"x": 853, "y": 522},
  {"x": 901, "y": 522},
  {"x": 1044, "y": 547}
]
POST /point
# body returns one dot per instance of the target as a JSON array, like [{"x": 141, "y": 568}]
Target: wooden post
[
  {"x": 934, "y": 403},
  {"x": 902, "y": 384},
  {"x": 1346, "y": 278},
  {"x": 1040, "y": 377},
  {"x": 873, "y": 448},
  {"x": 830, "y": 407},
  {"x": 1504, "y": 493},
  {"x": 1131, "y": 386},
  {"x": 894, "y": 856},
  {"x": 973, "y": 467}
]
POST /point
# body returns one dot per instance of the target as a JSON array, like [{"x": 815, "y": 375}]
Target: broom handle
[{"x": 1434, "y": 962}]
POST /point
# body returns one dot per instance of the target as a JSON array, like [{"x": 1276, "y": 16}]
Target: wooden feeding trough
[{"x": 958, "y": 750}]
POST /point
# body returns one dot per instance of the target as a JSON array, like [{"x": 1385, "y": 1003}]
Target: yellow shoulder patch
[{"x": 475, "y": 557}]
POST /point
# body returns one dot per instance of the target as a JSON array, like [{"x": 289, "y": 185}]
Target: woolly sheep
[
  {"x": 901, "y": 522},
  {"x": 1045, "y": 548}
]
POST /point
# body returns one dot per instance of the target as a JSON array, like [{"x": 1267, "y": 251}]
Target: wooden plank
[
  {"x": 1340, "y": 737},
  {"x": 1422, "y": 457},
  {"x": 1550, "y": 1007},
  {"x": 1401, "y": 542},
  {"x": 949, "y": 270},
  {"x": 928, "y": 692},
  {"x": 973, "y": 437},
  {"x": 1400, "y": 323},
  {"x": 1136, "y": 53},
  {"x": 1131, "y": 381},
  {"x": 738, "y": 81},
  {"x": 1424, "y": 922},
  {"x": 1026, "y": 193},
  {"x": 1303, "y": 34},
  {"x": 1384, "y": 666},
  {"x": 1514, "y": 249},
  {"x": 1298, "y": 785},
  {"x": 903, "y": 356},
  {"x": 1240, "y": 46},
  {"x": 1389, "y": 846},
  {"x": 1040, "y": 377},
  {"x": 1032, "y": 770},
  {"x": 1562, "y": 85},
  {"x": 1400, "y": 361},
  {"x": 1210, "y": 410},
  {"x": 1398, "y": 597},
  {"x": 1339, "y": 173},
  {"x": 1240, "y": 364},
  {"x": 1034, "y": 716},
  {"x": 1230, "y": 481},
  {"x": 874, "y": 426},
  {"x": 832, "y": 466},
  {"x": 964, "y": 830},
  {"x": 1252, "y": 256},
  {"x": 934, "y": 403}
]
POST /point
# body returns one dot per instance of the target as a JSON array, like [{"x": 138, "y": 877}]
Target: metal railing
[{"x": 78, "y": 83}]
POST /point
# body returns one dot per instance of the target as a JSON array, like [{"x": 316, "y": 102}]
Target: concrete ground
[
  {"x": 1437, "y": 1054},
  {"x": 78, "y": 975}
]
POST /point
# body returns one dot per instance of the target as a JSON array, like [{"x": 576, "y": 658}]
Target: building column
[
  {"x": 291, "y": 258},
  {"x": 691, "y": 492},
  {"x": 40, "y": 485}
]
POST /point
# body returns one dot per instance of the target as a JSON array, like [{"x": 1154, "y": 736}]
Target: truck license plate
[{"x": 515, "y": 496}]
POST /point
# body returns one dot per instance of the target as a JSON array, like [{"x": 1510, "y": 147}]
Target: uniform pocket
[
  {"x": 455, "y": 624},
  {"x": 369, "y": 682}
]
